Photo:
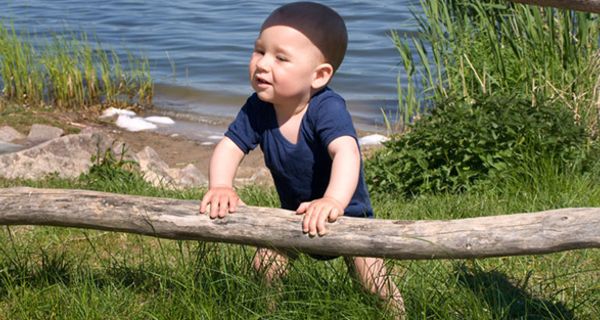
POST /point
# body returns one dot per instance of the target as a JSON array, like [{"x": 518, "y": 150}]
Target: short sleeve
[
  {"x": 333, "y": 120},
  {"x": 244, "y": 131}
]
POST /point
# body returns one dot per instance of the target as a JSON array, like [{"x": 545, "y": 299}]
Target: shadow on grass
[
  {"x": 44, "y": 269},
  {"x": 507, "y": 301},
  {"x": 21, "y": 271}
]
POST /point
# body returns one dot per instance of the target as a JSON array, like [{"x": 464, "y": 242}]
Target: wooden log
[
  {"x": 578, "y": 5},
  {"x": 504, "y": 235}
]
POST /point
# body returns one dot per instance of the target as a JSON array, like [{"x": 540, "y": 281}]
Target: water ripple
[{"x": 209, "y": 42}]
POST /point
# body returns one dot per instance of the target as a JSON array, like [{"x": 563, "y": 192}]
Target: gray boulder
[
  {"x": 155, "y": 170},
  {"x": 9, "y": 134},
  {"x": 158, "y": 173},
  {"x": 68, "y": 156},
  {"x": 41, "y": 132},
  {"x": 190, "y": 176},
  {"x": 71, "y": 155},
  {"x": 6, "y": 147}
]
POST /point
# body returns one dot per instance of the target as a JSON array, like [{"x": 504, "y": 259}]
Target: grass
[
  {"x": 69, "y": 72},
  {"x": 21, "y": 119},
  {"x": 468, "y": 48},
  {"x": 62, "y": 273}
]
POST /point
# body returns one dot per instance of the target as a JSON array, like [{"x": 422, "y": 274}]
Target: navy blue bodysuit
[{"x": 301, "y": 171}]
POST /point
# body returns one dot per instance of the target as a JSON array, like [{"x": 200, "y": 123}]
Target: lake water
[{"x": 199, "y": 50}]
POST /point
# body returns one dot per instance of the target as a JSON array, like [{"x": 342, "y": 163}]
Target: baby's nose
[{"x": 263, "y": 63}]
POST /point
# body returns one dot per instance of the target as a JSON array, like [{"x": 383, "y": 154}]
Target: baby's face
[{"x": 283, "y": 64}]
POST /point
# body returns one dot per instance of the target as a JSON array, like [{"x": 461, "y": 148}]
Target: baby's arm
[
  {"x": 342, "y": 185},
  {"x": 223, "y": 164}
]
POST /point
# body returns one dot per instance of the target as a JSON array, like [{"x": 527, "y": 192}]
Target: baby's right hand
[{"x": 222, "y": 200}]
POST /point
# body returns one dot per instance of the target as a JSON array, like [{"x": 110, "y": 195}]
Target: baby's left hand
[{"x": 316, "y": 212}]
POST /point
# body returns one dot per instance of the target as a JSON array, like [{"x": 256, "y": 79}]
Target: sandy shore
[
  {"x": 178, "y": 151},
  {"x": 193, "y": 141},
  {"x": 175, "y": 148}
]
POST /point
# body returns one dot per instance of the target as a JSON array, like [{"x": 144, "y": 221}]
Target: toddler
[{"x": 306, "y": 134}]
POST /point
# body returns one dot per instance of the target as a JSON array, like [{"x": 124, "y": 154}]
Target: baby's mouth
[{"x": 262, "y": 81}]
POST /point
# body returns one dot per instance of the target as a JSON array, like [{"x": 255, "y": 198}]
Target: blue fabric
[{"x": 300, "y": 171}]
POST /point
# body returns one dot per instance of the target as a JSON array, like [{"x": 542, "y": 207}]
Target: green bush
[{"x": 463, "y": 141}]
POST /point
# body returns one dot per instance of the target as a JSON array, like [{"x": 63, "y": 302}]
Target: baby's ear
[{"x": 323, "y": 74}]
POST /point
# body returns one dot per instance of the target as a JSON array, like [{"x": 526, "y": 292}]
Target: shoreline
[
  {"x": 209, "y": 129},
  {"x": 214, "y": 111},
  {"x": 178, "y": 150},
  {"x": 174, "y": 149},
  {"x": 189, "y": 141}
]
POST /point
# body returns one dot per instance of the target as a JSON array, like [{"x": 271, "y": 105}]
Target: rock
[
  {"x": 260, "y": 176},
  {"x": 90, "y": 130},
  {"x": 71, "y": 155},
  {"x": 155, "y": 170},
  {"x": 6, "y": 147},
  {"x": 41, "y": 132},
  {"x": 122, "y": 151},
  {"x": 68, "y": 156},
  {"x": 9, "y": 134},
  {"x": 190, "y": 176},
  {"x": 158, "y": 173}
]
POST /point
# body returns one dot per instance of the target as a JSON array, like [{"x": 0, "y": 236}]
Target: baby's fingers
[
  {"x": 214, "y": 208},
  {"x": 329, "y": 215},
  {"x": 334, "y": 215},
  {"x": 302, "y": 208},
  {"x": 321, "y": 230},
  {"x": 233, "y": 202},
  {"x": 205, "y": 201},
  {"x": 317, "y": 220},
  {"x": 217, "y": 205}
]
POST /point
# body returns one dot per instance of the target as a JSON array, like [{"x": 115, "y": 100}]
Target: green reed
[
  {"x": 22, "y": 77},
  {"x": 467, "y": 48},
  {"x": 70, "y": 72}
]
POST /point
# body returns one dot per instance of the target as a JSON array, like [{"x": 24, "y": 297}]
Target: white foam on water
[
  {"x": 160, "y": 120},
  {"x": 115, "y": 111},
  {"x": 373, "y": 139},
  {"x": 134, "y": 124}
]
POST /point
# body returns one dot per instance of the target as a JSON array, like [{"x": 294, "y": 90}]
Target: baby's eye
[
  {"x": 281, "y": 58},
  {"x": 259, "y": 51}
]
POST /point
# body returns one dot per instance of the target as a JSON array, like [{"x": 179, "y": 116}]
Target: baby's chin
[{"x": 263, "y": 95}]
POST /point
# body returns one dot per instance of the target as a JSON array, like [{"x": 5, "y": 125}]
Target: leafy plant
[
  {"x": 507, "y": 83},
  {"x": 464, "y": 141}
]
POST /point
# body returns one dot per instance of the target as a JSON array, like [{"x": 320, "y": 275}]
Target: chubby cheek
[{"x": 251, "y": 67}]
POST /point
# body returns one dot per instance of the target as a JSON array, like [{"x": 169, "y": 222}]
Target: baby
[{"x": 306, "y": 134}]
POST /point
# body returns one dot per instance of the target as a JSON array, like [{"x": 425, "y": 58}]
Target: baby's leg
[
  {"x": 273, "y": 266},
  {"x": 270, "y": 263},
  {"x": 373, "y": 276}
]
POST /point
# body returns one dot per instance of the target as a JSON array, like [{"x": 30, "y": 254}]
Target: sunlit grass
[
  {"x": 63, "y": 273},
  {"x": 468, "y": 48}
]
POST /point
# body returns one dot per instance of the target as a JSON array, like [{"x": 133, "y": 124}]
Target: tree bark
[
  {"x": 504, "y": 235},
  {"x": 579, "y": 5}
]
